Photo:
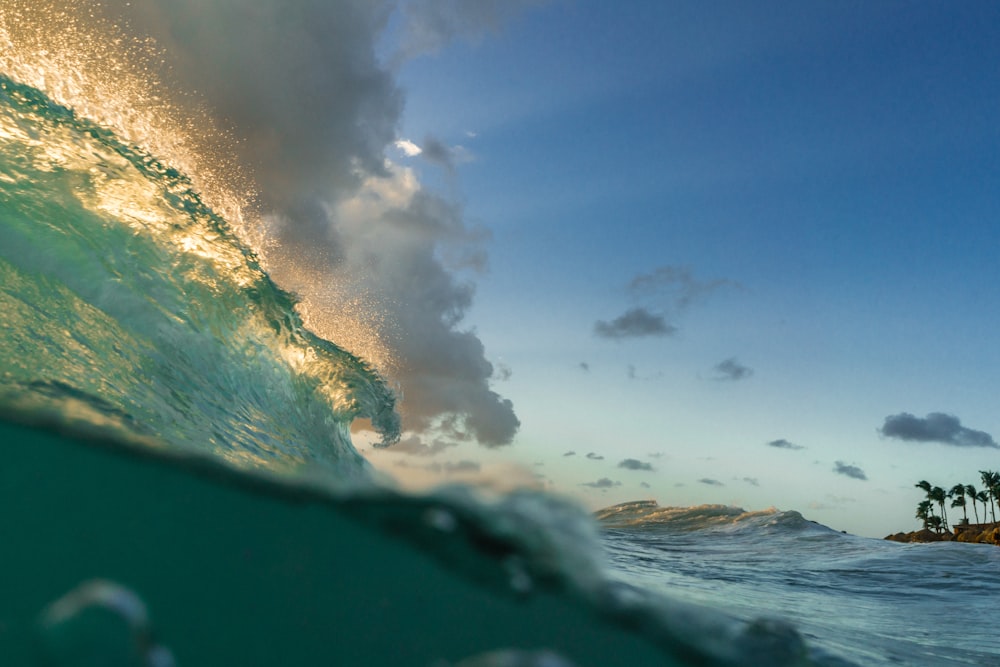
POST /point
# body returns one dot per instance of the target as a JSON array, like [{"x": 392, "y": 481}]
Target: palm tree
[
  {"x": 924, "y": 512},
  {"x": 959, "y": 501},
  {"x": 958, "y": 493},
  {"x": 971, "y": 492},
  {"x": 937, "y": 494},
  {"x": 984, "y": 498},
  {"x": 935, "y": 523},
  {"x": 991, "y": 480}
]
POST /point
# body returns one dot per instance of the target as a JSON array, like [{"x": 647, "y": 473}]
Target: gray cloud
[
  {"x": 460, "y": 466},
  {"x": 584, "y": 366},
  {"x": 570, "y": 453},
  {"x": 854, "y": 472},
  {"x": 935, "y": 427},
  {"x": 432, "y": 24},
  {"x": 439, "y": 153},
  {"x": 781, "y": 443},
  {"x": 594, "y": 457},
  {"x": 732, "y": 370},
  {"x": 672, "y": 289},
  {"x": 710, "y": 482},
  {"x": 311, "y": 111},
  {"x": 644, "y": 485},
  {"x": 602, "y": 483},
  {"x": 752, "y": 481},
  {"x": 635, "y": 464},
  {"x": 634, "y": 323},
  {"x": 417, "y": 446},
  {"x": 676, "y": 284}
]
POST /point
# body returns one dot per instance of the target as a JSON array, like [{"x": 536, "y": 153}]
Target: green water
[{"x": 238, "y": 575}]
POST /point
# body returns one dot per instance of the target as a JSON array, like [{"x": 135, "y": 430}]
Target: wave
[
  {"x": 647, "y": 514},
  {"x": 130, "y": 305}
]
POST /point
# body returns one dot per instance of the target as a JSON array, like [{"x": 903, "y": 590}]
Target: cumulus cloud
[
  {"x": 710, "y": 482},
  {"x": 781, "y": 443},
  {"x": 935, "y": 427},
  {"x": 853, "y": 472},
  {"x": 634, "y": 323},
  {"x": 381, "y": 266},
  {"x": 635, "y": 464},
  {"x": 732, "y": 370},
  {"x": 602, "y": 483}
]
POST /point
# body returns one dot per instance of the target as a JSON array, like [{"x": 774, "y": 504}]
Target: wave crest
[
  {"x": 649, "y": 514},
  {"x": 121, "y": 285}
]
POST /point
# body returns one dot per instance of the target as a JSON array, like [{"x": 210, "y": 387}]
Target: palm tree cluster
[{"x": 959, "y": 494}]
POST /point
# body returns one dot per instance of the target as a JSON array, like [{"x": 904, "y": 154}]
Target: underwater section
[{"x": 239, "y": 568}]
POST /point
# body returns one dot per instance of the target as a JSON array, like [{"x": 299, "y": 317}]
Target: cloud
[
  {"x": 381, "y": 266},
  {"x": 665, "y": 290},
  {"x": 675, "y": 284},
  {"x": 602, "y": 483},
  {"x": 710, "y": 482},
  {"x": 644, "y": 485},
  {"x": 634, "y": 464},
  {"x": 781, "y": 443},
  {"x": 935, "y": 427},
  {"x": 408, "y": 148},
  {"x": 417, "y": 446},
  {"x": 429, "y": 25},
  {"x": 752, "y": 481},
  {"x": 584, "y": 366},
  {"x": 460, "y": 466},
  {"x": 732, "y": 370},
  {"x": 594, "y": 457},
  {"x": 634, "y": 323},
  {"x": 854, "y": 472},
  {"x": 502, "y": 372},
  {"x": 448, "y": 157},
  {"x": 570, "y": 453}
]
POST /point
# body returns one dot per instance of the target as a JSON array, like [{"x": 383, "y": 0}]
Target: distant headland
[{"x": 935, "y": 528}]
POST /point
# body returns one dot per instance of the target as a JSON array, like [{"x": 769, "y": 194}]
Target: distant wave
[{"x": 649, "y": 514}]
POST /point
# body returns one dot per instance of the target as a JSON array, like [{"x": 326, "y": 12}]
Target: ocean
[{"x": 179, "y": 485}]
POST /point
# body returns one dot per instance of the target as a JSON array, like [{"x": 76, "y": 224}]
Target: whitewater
[{"x": 179, "y": 484}]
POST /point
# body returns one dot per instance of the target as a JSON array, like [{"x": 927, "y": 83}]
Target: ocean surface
[{"x": 179, "y": 487}]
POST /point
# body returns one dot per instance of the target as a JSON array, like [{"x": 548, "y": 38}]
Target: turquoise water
[{"x": 179, "y": 484}]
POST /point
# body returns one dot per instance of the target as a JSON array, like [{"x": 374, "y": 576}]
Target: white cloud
[{"x": 409, "y": 148}]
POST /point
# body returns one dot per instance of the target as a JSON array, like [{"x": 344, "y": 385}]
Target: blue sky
[{"x": 807, "y": 194}]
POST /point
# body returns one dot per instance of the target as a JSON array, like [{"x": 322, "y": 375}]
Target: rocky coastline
[{"x": 987, "y": 533}]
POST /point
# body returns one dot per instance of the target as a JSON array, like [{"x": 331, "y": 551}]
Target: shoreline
[{"x": 984, "y": 533}]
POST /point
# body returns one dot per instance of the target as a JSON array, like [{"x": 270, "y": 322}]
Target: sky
[
  {"x": 738, "y": 253},
  {"x": 699, "y": 252}
]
